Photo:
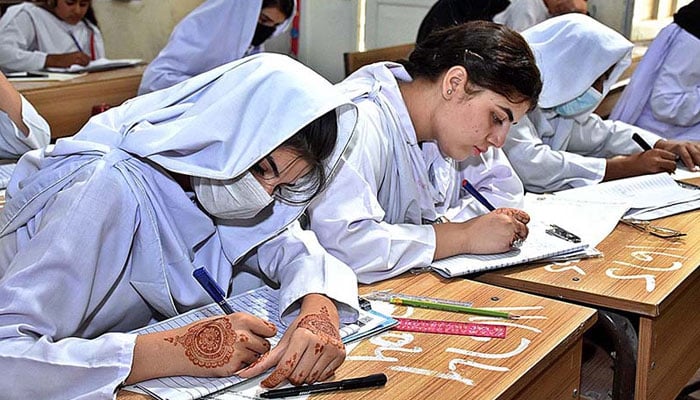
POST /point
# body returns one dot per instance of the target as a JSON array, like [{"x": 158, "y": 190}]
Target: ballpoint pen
[
  {"x": 369, "y": 381},
  {"x": 215, "y": 292},
  {"x": 641, "y": 142},
  {"x": 475, "y": 193}
]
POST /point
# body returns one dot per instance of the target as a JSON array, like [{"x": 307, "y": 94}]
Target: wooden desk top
[
  {"x": 67, "y": 105},
  {"x": 639, "y": 273},
  {"x": 92, "y": 77},
  {"x": 539, "y": 358}
]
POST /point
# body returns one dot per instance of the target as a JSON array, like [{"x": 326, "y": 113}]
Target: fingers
[
  {"x": 261, "y": 364},
  {"x": 255, "y": 325},
  {"x": 519, "y": 215},
  {"x": 284, "y": 368}
]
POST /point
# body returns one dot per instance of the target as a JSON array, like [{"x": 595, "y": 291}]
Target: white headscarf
[
  {"x": 216, "y": 125},
  {"x": 213, "y": 34},
  {"x": 572, "y": 51}
]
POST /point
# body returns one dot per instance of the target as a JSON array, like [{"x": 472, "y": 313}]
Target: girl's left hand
[
  {"x": 310, "y": 350},
  {"x": 687, "y": 151}
]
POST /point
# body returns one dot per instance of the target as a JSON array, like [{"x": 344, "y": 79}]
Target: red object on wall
[{"x": 294, "y": 46}]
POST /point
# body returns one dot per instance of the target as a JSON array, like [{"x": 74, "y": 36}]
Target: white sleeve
[
  {"x": 16, "y": 38},
  {"x": 675, "y": 97},
  {"x": 348, "y": 221},
  {"x": 13, "y": 142},
  {"x": 543, "y": 169},
  {"x": 296, "y": 260},
  {"x": 55, "y": 299}
]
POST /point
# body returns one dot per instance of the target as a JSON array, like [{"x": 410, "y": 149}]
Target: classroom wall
[{"x": 139, "y": 28}]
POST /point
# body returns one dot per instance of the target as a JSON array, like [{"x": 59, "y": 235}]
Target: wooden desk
[
  {"x": 539, "y": 359},
  {"x": 67, "y": 105},
  {"x": 656, "y": 281}
]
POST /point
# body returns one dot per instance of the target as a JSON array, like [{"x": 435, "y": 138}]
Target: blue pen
[
  {"x": 475, "y": 193},
  {"x": 80, "y": 49},
  {"x": 215, "y": 292}
]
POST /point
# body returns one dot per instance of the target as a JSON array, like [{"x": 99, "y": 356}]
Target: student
[
  {"x": 422, "y": 127},
  {"x": 523, "y": 14},
  {"x": 562, "y": 144},
  {"x": 446, "y": 13},
  {"x": 518, "y": 14},
  {"x": 663, "y": 95},
  {"x": 216, "y": 32},
  {"x": 54, "y": 33},
  {"x": 21, "y": 127},
  {"x": 103, "y": 232}
]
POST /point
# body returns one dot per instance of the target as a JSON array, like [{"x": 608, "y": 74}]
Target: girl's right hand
[
  {"x": 212, "y": 347},
  {"x": 66, "y": 60}
]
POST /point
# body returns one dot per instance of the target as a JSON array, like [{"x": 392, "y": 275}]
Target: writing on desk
[
  {"x": 645, "y": 254},
  {"x": 390, "y": 345}
]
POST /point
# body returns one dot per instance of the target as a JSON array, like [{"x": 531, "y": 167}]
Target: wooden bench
[{"x": 356, "y": 59}]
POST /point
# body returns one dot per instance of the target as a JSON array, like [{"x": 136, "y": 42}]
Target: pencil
[{"x": 452, "y": 307}]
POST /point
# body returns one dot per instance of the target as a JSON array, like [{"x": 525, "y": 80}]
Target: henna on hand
[
  {"x": 208, "y": 344},
  {"x": 320, "y": 325}
]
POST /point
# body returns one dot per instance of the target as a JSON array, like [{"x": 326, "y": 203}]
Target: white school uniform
[
  {"x": 28, "y": 33},
  {"x": 551, "y": 152},
  {"x": 215, "y": 33},
  {"x": 375, "y": 214},
  {"x": 96, "y": 240},
  {"x": 13, "y": 142},
  {"x": 663, "y": 95},
  {"x": 522, "y": 14}
]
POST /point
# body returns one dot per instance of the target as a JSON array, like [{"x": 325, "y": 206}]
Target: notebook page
[
  {"x": 538, "y": 245},
  {"x": 262, "y": 302},
  {"x": 639, "y": 192}
]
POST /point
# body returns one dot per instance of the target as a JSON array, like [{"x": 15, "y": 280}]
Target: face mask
[
  {"x": 586, "y": 102},
  {"x": 262, "y": 33},
  {"x": 238, "y": 198}
]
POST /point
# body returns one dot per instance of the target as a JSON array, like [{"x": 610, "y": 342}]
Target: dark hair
[
  {"x": 446, "y": 13},
  {"x": 314, "y": 143},
  {"x": 51, "y": 5},
  {"x": 286, "y": 6},
  {"x": 496, "y": 58}
]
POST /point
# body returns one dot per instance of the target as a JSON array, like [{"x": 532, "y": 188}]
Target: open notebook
[
  {"x": 262, "y": 302},
  {"x": 101, "y": 64},
  {"x": 538, "y": 245}
]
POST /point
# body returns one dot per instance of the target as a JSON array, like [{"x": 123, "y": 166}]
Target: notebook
[
  {"x": 262, "y": 302},
  {"x": 538, "y": 245},
  {"x": 101, "y": 64}
]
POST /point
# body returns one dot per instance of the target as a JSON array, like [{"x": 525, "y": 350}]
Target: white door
[
  {"x": 328, "y": 28},
  {"x": 392, "y": 22}
]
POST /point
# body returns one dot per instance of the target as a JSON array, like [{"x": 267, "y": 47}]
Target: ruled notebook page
[
  {"x": 262, "y": 302},
  {"x": 538, "y": 245}
]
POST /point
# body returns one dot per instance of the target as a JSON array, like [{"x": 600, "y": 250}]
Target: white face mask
[
  {"x": 238, "y": 198},
  {"x": 587, "y": 102}
]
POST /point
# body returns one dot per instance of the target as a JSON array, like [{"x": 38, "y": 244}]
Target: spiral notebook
[
  {"x": 262, "y": 302},
  {"x": 539, "y": 245}
]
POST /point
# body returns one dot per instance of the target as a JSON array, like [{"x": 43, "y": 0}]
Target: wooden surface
[
  {"x": 356, "y": 59},
  {"x": 539, "y": 359},
  {"x": 656, "y": 279},
  {"x": 67, "y": 105}
]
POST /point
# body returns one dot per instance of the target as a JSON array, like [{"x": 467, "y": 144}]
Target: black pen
[
  {"x": 641, "y": 142},
  {"x": 369, "y": 381}
]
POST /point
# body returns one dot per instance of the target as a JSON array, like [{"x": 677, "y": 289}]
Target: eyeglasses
[
  {"x": 301, "y": 191},
  {"x": 658, "y": 231}
]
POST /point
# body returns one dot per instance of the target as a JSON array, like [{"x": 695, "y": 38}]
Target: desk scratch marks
[{"x": 646, "y": 256}]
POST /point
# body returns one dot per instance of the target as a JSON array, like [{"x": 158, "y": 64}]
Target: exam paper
[
  {"x": 101, "y": 64},
  {"x": 638, "y": 192}
]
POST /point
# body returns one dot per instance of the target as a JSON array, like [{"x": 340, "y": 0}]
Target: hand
[
  {"x": 558, "y": 7},
  {"x": 689, "y": 152},
  {"x": 310, "y": 350},
  {"x": 66, "y": 60},
  {"x": 212, "y": 347},
  {"x": 494, "y": 232}
]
